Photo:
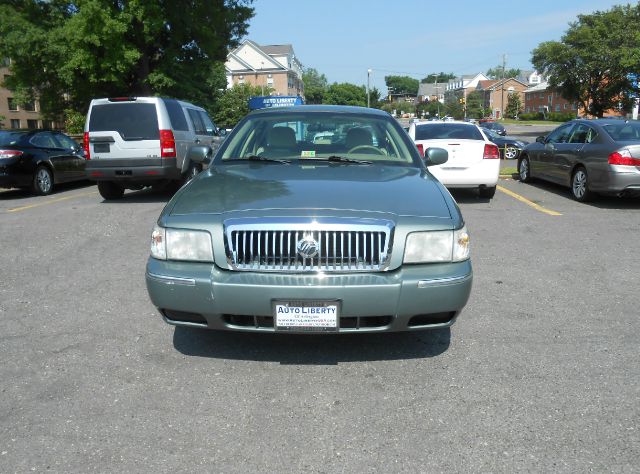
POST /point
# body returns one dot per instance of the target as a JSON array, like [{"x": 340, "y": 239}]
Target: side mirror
[
  {"x": 435, "y": 156},
  {"x": 200, "y": 154},
  {"x": 540, "y": 139}
]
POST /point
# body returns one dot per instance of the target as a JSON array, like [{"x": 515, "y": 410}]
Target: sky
[{"x": 343, "y": 39}]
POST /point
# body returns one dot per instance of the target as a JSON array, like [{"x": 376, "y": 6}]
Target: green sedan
[{"x": 312, "y": 219}]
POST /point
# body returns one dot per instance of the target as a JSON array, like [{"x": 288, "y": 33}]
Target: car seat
[
  {"x": 358, "y": 137},
  {"x": 281, "y": 142}
]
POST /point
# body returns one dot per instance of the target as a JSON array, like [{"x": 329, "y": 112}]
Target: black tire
[
  {"x": 524, "y": 169},
  {"x": 110, "y": 190},
  {"x": 42, "y": 183},
  {"x": 487, "y": 193},
  {"x": 580, "y": 185}
]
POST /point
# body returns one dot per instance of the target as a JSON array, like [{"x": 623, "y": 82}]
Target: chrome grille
[{"x": 337, "y": 245}]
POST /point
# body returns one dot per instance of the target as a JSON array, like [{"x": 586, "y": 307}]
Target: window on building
[
  {"x": 527, "y": 109},
  {"x": 557, "y": 107},
  {"x": 15, "y": 123},
  {"x": 32, "y": 123},
  {"x": 12, "y": 104},
  {"x": 573, "y": 107},
  {"x": 47, "y": 124},
  {"x": 29, "y": 107}
]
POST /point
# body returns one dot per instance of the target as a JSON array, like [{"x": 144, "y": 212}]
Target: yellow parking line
[
  {"x": 52, "y": 201},
  {"x": 530, "y": 203}
]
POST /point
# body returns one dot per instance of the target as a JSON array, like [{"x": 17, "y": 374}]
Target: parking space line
[
  {"x": 527, "y": 201},
  {"x": 52, "y": 201}
]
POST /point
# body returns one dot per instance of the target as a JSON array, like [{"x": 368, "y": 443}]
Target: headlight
[
  {"x": 180, "y": 244},
  {"x": 437, "y": 246}
]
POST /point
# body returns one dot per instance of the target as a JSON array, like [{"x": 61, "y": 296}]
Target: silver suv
[{"x": 133, "y": 142}]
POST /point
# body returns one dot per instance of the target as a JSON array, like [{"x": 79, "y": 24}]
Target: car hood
[{"x": 401, "y": 191}]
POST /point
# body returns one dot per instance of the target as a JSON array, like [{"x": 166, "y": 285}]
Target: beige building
[
  {"x": 275, "y": 68},
  {"x": 14, "y": 115}
]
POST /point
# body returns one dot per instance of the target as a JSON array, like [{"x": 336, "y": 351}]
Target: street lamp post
[{"x": 368, "y": 79}]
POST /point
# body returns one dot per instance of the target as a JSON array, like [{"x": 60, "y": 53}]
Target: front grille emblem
[{"x": 307, "y": 247}]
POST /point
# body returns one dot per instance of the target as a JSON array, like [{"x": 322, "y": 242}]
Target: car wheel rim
[
  {"x": 524, "y": 169},
  {"x": 44, "y": 180},
  {"x": 579, "y": 184},
  {"x": 510, "y": 153}
]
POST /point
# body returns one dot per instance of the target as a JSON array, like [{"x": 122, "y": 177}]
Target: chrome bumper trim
[
  {"x": 171, "y": 280},
  {"x": 441, "y": 281}
]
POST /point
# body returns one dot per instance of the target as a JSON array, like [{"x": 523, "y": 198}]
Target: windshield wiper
[
  {"x": 342, "y": 159},
  {"x": 264, "y": 158}
]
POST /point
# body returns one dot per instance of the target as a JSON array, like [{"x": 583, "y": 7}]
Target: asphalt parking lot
[{"x": 540, "y": 373}]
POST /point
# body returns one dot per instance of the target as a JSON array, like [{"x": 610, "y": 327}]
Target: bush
[
  {"x": 73, "y": 122},
  {"x": 561, "y": 116}
]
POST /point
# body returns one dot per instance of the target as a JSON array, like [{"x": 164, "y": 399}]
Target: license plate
[
  {"x": 320, "y": 316},
  {"x": 101, "y": 148}
]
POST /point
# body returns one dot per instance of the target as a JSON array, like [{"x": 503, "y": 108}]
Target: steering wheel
[{"x": 368, "y": 148}]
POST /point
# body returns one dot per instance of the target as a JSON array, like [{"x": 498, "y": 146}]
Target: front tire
[
  {"x": 524, "y": 169},
  {"x": 510, "y": 153},
  {"x": 42, "y": 183},
  {"x": 110, "y": 190},
  {"x": 580, "y": 185}
]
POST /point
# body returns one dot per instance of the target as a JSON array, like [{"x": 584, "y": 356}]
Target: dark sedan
[
  {"x": 589, "y": 156},
  {"x": 39, "y": 159},
  {"x": 494, "y": 126},
  {"x": 510, "y": 147}
]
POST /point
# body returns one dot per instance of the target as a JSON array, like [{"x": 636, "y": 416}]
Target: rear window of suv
[{"x": 132, "y": 121}]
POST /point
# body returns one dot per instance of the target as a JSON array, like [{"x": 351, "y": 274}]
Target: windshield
[
  {"x": 445, "y": 131},
  {"x": 10, "y": 138},
  {"x": 312, "y": 136}
]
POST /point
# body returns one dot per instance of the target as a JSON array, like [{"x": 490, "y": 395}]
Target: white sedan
[{"x": 474, "y": 161}]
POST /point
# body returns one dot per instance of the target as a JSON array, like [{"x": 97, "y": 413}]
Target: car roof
[{"x": 344, "y": 109}]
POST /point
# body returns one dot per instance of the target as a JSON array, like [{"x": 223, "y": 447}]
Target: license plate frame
[{"x": 306, "y": 315}]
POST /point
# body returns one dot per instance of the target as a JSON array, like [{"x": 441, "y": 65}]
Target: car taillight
[
  {"x": 85, "y": 145},
  {"x": 420, "y": 149},
  {"x": 167, "y": 144},
  {"x": 491, "y": 152},
  {"x": 10, "y": 153},
  {"x": 623, "y": 157}
]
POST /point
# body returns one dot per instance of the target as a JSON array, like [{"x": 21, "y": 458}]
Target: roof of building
[
  {"x": 430, "y": 88},
  {"x": 538, "y": 88},
  {"x": 277, "y": 49}
]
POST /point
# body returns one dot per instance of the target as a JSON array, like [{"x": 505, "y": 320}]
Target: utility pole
[{"x": 502, "y": 107}]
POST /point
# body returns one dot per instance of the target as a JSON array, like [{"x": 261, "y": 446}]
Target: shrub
[{"x": 73, "y": 122}]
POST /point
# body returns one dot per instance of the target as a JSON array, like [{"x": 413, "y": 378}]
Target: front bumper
[{"x": 411, "y": 298}]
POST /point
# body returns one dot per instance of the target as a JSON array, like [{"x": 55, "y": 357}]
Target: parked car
[
  {"x": 589, "y": 156},
  {"x": 509, "y": 147},
  {"x": 133, "y": 142},
  {"x": 39, "y": 159},
  {"x": 284, "y": 234},
  {"x": 474, "y": 162},
  {"x": 495, "y": 126}
]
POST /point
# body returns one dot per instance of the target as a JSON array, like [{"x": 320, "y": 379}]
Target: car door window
[
  {"x": 43, "y": 140},
  {"x": 209, "y": 126},
  {"x": 579, "y": 134},
  {"x": 560, "y": 135},
  {"x": 196, "y": 120},
  {"x": 66, "y": 142}
]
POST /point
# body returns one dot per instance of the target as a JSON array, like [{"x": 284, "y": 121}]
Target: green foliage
[
  {"x": 315, "y": 86},
  {"x": 402, "y": 84},
  {"x": 593, "y": 62},
  {"x": 475, "y": 105},
  {"x": 440, "y": 77},
  {"x": 498, "y": 73},
  {"x": 428, "y": 109},
  {"x": 66, "y": 53},
  {"x": 514, "y": 105},
  {"x": 73, "y": 122},
  {"x": 233, "y": 104},
  {"x": 551, "y": 116},
  {"x": 345, "y": 94}
]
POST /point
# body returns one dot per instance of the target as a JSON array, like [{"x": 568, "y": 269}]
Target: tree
[
  {"x": 402, "y": 84},
  {"x": 345, "y": 94},
  {"x": 514, "y": 105},
  {"x": 65, "y": 53},
  {"x": 315, "y": 86},
  {"x": 440, "y": 77},
  {"x": 233, "y": 104},
  {"x": 475, "y": 105},
  {"x": 498, "y": 73},
  {"x": 594, "y": 62}
]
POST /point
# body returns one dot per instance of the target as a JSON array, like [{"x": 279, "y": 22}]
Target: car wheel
[
  {"x": 580, "y": 185},
  {"x": 524, "y": 169},
  {"x": 510, "y": 153},
  {"x": 110, "y": 190},
  {"x": 488, "y": 192},
  {"x": 42, "y": 181}
]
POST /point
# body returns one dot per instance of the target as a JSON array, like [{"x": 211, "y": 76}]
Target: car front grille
[{"x": 336, "y": 245}]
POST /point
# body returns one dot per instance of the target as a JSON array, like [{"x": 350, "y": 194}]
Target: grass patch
[
  {"x": 508, "y": 171},
  {"x": 530, "y": 122}
]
